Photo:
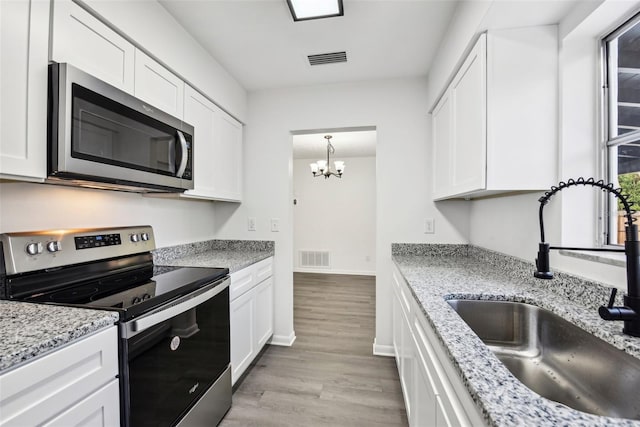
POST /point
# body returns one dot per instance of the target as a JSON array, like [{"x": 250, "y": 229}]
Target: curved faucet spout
[{"x": 630, "y": 313}]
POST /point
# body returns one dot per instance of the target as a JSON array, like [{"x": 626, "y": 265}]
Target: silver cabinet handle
[
  {"x": 184, "y": 155},
  {"x": 167, "y": 313}
]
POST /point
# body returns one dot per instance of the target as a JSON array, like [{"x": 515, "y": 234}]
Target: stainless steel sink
[{"x": 555, "y": 358}]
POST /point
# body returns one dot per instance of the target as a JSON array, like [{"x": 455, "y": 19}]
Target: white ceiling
[
  {"x": 346, "y": 144},
  {"x": 258, "y": 42}
]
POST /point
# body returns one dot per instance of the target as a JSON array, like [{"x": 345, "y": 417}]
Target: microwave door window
[{"x": 103, "y": 135}]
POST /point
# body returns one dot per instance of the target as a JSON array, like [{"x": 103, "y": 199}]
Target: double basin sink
[{"x": 555, "y": 358}]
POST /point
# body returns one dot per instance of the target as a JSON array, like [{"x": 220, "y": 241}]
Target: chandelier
[{"x": 323, "y": 167}]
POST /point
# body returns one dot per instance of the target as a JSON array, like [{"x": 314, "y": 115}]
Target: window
[{"x": 622, "y": 94}]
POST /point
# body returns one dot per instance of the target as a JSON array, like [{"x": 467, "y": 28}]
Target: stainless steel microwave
[{"x": 102, "y": 137}]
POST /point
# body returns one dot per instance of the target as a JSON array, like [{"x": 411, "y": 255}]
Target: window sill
[{"x": 616, "y": 259}]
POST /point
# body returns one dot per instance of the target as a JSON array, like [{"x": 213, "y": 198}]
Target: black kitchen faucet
[{"x": 630, "y": 312}]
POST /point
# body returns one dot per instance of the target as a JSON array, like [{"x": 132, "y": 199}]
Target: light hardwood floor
[{"x": 329, "y": 376}]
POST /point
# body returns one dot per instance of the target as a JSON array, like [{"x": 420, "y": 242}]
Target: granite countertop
[
  {"x": 232, "y": 254},
  {"x": 436, "y": 273},
  {"x": 31, "y": 330}
]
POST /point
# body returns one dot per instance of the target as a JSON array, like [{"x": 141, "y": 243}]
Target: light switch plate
[
  {"x": 275, "y": 225},
  {"x": 429, "y": 226}
]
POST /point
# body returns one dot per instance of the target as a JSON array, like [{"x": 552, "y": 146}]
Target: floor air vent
[
  {"x": 327, "y": 58},
  {"x": 316, "y": 259}
]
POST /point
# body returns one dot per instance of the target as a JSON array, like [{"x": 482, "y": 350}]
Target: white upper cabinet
[
  {"x": 227, "y": 168},
  {"x": 495, "y": 128},
  {"x": 24, "y": 28},
  {"x": 79, "y": 38},
  {"x": 217, "y": 148},
  {"x": 201, "y": 114},
  {"x": 469, "y": 121},
  {"x": 158, "y": 86}
]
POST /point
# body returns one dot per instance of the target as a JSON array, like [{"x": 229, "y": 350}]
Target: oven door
[
  {"x": 173, "y": 357},
  {"x": 97, "y": 132}
]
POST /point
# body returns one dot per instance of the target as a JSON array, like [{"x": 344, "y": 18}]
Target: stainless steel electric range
[{"x": 174, "y": 321}]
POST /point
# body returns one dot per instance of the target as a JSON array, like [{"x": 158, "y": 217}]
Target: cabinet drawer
[
  {"x": 241, "y": 282},
  {"x": 249, "y": 277},
  {"x": 263, "y": 269},
  {"x": 37, "y": 391}
]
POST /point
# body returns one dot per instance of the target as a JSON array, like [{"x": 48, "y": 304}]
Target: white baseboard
[
  {"x": 283, "y": 340},
  {"x": 330, "y": 271},
  {"x": 383, "y": 350}
]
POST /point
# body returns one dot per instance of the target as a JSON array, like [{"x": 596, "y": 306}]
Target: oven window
[
  {"x": 173, "y": 363},
  {"x": 105, "y": 131}
]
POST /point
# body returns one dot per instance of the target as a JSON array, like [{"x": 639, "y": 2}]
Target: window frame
[{"x": 609, "y": 107}]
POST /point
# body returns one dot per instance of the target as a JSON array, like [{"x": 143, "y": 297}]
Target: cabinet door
[
  {"x": 264, "y": 312},
  {"x": 442, "y": 136},
  {"x": 227, "y": 164},
  {"x": 158, "y": 86},
  {"x": 24, "y": 28},
  {"x": 242, "y": 334},
  {"x": 397, "y": 330},
  {"x": 79, "y": 38},
  {"x": 407, "y": 366},
  {"x": 100, "y": 409},
  {"x": 201, "y": 114},
  {"x": 425, "y": 413},
  {"x": 469, "y": 122}
]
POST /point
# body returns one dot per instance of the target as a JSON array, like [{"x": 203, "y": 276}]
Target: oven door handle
[{"x": 179, "y": 307}]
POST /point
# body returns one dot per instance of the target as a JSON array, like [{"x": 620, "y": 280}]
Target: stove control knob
[
  {"x": 144, "y": 237},
  {"x": 134, "y": 238},
  {"x": 34, "y": 248},
  {"x": 136, "y": 300},
  {"x": 54, "y": 246},
  {"x": 146, "y": 296}
]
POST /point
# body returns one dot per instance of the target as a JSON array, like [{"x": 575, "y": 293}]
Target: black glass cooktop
[{"x": 151, "y": 288}]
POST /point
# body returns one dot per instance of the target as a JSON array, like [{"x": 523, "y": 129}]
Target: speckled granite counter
[
  {"x": 31, "y": 330},
  {"x": 232, "y": 254},
  {"x": 436, "y": 273}
]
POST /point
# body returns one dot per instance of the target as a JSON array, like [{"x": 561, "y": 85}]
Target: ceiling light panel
[{"x": 303, "y": 10}]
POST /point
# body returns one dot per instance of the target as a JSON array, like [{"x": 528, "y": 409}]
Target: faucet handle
[
  {"x": 612, "y": 298},
  {"x": 616, "y": 313}
]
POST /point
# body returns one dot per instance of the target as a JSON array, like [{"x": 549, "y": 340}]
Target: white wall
[
  {"x": 151, "y": 26},
  {"x": 30, "y": 207},
  {"x": 398, "y": 110},
  {"x": 336, "y": 215}
]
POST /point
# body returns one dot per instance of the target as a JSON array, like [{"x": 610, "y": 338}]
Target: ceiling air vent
[{"x": 327, "y": 58}]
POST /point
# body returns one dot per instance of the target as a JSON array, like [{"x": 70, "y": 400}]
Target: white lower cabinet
[
  {"x": 243, "y": 333},
  {"x": 76, "y": 385},
  {"x": 434, "y": 395},
  {"x": 251, "y": 314}
]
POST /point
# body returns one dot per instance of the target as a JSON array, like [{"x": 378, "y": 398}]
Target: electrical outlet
[
  {"x": 275, "y": 225},
  {"x": 429, "y": 226},
  {"x": 251, "y": 224}
]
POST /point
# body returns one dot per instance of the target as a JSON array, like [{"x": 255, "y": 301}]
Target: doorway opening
[{"x": 334, "y": 217}]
